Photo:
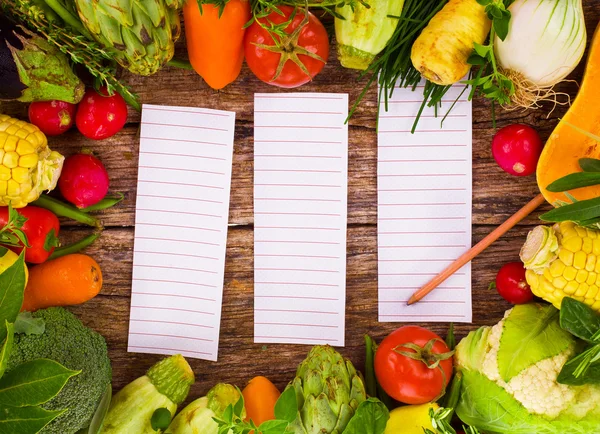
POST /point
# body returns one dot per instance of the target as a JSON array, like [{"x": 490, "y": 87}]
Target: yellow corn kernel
[
  {"x": 546, "y": 288},
  {"x": 591, "y": 233},
  {"x": 582, "y": 290},
  {"x": 590, "y": 262},
  {"x": 38, "y": 139},
  {"x": 596, "y": 247},
  {"x": 13, "y": 187},
  {"x": 21, "y": 133},
  {"x": 579, "y": 260},
  {"x": 581, "y": 276},
  {"x": 573, "y": 244},
  {"x": 567, "y": 229},
  {"x": 591, "y": 279},
  {"x": 26, "y": 187},
  {"x": 570, "y": 273},
  {"x": 29, "y": 161},
  {"x": 20, "y": 174},
  {"x": 592, "y": 291},
  {"x": 11, "y": 160},
  {"x": 596, "y": 305},
  {"x": 559, "y": 282},
  {"x": 3, "y": 186},
  {"x": 4, "y": 173},
  {"x": 11, "y": 143},
  {"x": 571, "y": 287},
  {"x": 24, "y": 147},
  {"x": 580, "y": 231},
  {"x": 566, "y": 256},
  {"x": 589, "y": 301},
  {"x": 557, "y": 268},
  {"x": 547, "y": 274},
  {"x": 587, "y": 245}
]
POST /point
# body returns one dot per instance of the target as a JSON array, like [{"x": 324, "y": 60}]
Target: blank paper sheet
[
  {"x": 424, "y": 207},
  {"x": 180, "y": 230},
  {"x": 300, "y": 211}
]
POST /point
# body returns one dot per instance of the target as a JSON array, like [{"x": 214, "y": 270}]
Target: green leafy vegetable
[
  {"x": 27, "y": 324},
  {"x": 370, "y": 418},
  {"x": 581, "y": 211},
  {"x": 33, "y": 383},
  {"x": 579, "y": 319},
  {"x": 26, "y": 419},
  {"x": 12, "y": 286},
  {"x": 286, "y": 407}
]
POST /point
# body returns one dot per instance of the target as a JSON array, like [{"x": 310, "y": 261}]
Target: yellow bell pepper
[
  {"x": 410, "y": 419},
  {"x": 7, "y": 259}
]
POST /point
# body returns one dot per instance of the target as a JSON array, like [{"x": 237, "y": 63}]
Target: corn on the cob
[
  {"x": 563, "y": 261},
  {"x": 27, "y": 165}
]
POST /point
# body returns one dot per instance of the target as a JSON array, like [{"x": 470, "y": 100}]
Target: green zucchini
[{"x": 365, "y": 31}]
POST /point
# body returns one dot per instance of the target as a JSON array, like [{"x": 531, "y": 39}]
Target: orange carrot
[
  {"x": 260, "y": 396},
  {"x": 215, "y": 43},
  {"x": 72, "y": 279}
]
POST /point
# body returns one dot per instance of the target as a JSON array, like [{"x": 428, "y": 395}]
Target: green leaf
[
  {"x": 569, "y": 372},
  {"x": 573, "y": 181},
  {"x": 476, "y": 59},
  {"x": 101, "y": 411},
  {"x": 273, "y": 427},
  {"x": 3, "y": 251},
  {"x": 579, "y": 319},
  {"x": 578, "y": 211},
  {"x": 25, "y": 420},
  {"x": 286, "y": 407},
  {"x": 531, "y": 333},
  {"x": 12, "y": 286},
  {"x": 589, "y": 164},
  {"x": 33, "y": 383},
  {"x": 501, "y": 24},
  {"x": 238, "y": 408},
  {"x": 482, "y": 50},
  {"x": 6, "y": 347},
  {"x": 370, "y": 417},
  {"x": 27, "y": 324}
]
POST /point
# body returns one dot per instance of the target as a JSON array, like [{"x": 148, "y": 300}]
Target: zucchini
[{"x": 365, "y": 31}]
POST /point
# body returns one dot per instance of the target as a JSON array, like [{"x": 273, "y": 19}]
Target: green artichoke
[
  {"x": 328, "y": 390},
  {"x": 143, "y": 32}
]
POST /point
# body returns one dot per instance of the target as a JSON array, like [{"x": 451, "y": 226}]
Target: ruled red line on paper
[
  {"x": 424, "y": 211},
  {"x": 300, "y": 209},
  {"x": 181, "y": 230}
]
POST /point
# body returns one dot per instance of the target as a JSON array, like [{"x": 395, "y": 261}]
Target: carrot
[
  {"x": 260, "y": 396},
  {"x": 71, "y": 279},
  {"x": 441, "y": 51},
  {"x": 215, "y": 43}
]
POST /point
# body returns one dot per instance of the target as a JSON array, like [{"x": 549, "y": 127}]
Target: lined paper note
[
  {"x": 180, "y": 230},
  {"x": 424, "y": 207},
  {"x": 300, "y": 211}
]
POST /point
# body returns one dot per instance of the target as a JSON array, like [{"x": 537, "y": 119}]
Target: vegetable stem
[
  {"x": 75, "y": 247},
  {"x": 370, "y": 380},
  {"x": 107, "y": 202}
]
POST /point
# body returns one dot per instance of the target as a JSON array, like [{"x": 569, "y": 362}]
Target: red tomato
[
  {"x": 301, "y": 55},
  {"x": 52, "y": 117},
  {"x": 41, "y": 228},
  {"x": 517, "y": 149},
  {"x": 406, "y": 379},
  {"x": 99, "y": 116},
  {"x": 512, "y": 284}
]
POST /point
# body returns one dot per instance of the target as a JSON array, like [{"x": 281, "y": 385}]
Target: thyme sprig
[{"x": 80, "y": 49}]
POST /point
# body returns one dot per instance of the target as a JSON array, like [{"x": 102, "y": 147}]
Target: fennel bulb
[{"x": 546, "y": 40}]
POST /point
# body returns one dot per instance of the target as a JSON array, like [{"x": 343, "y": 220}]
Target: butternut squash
[{"x": 566, "y": 145}]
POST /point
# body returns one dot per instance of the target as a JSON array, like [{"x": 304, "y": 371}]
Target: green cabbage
[{"x": 509, "y": 377}]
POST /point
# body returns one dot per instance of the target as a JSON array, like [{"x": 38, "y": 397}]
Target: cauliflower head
[{"x": 509, "y": 377}]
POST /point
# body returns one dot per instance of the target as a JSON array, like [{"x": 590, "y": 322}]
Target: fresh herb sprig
[
  {"x": 79, "y": 48},
  {"x": 11, "y": 234},
  {"x": 487, "y": 79},
  {"x": 440, "y": 420},
  {"x": 393, "y": 68}
]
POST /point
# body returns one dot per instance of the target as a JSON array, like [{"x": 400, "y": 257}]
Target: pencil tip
[{"x": 410, "y": 301}]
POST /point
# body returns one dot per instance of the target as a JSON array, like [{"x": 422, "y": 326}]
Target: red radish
[
  {"x": 516, "y": 149},
  {"x": 512, "y": 285},
  {"x": 84, "y": 180},
  {"x": 52, "y": 117},
  {"x": 100, "y": 116}
]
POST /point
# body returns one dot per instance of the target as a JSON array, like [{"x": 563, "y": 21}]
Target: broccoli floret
[{"x": 67, "y": 341}]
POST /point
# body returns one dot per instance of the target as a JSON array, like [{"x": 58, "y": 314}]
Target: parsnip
[{"x": 441, "y": 51}]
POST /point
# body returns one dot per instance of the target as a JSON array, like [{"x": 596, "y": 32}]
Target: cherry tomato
[
  {"x": 512, "y": 284},
  {"x": 52, "y": 117},
  {"x": 423, "y": 374},
  {"x": 100, "y": 116},
  {"x": 301, "y": 55},
  {"x": 517, "y": 149}
]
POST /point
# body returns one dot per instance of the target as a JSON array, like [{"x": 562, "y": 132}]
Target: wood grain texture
[{"x": 496, "y": 196}]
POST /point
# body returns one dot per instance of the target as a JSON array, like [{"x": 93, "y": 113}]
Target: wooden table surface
[{"x": 496, "y": 195}]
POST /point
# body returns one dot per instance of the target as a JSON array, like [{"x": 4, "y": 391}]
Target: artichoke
[
  {"x": 328, "y": 391},
  {"x": 143, "y": 32}
]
